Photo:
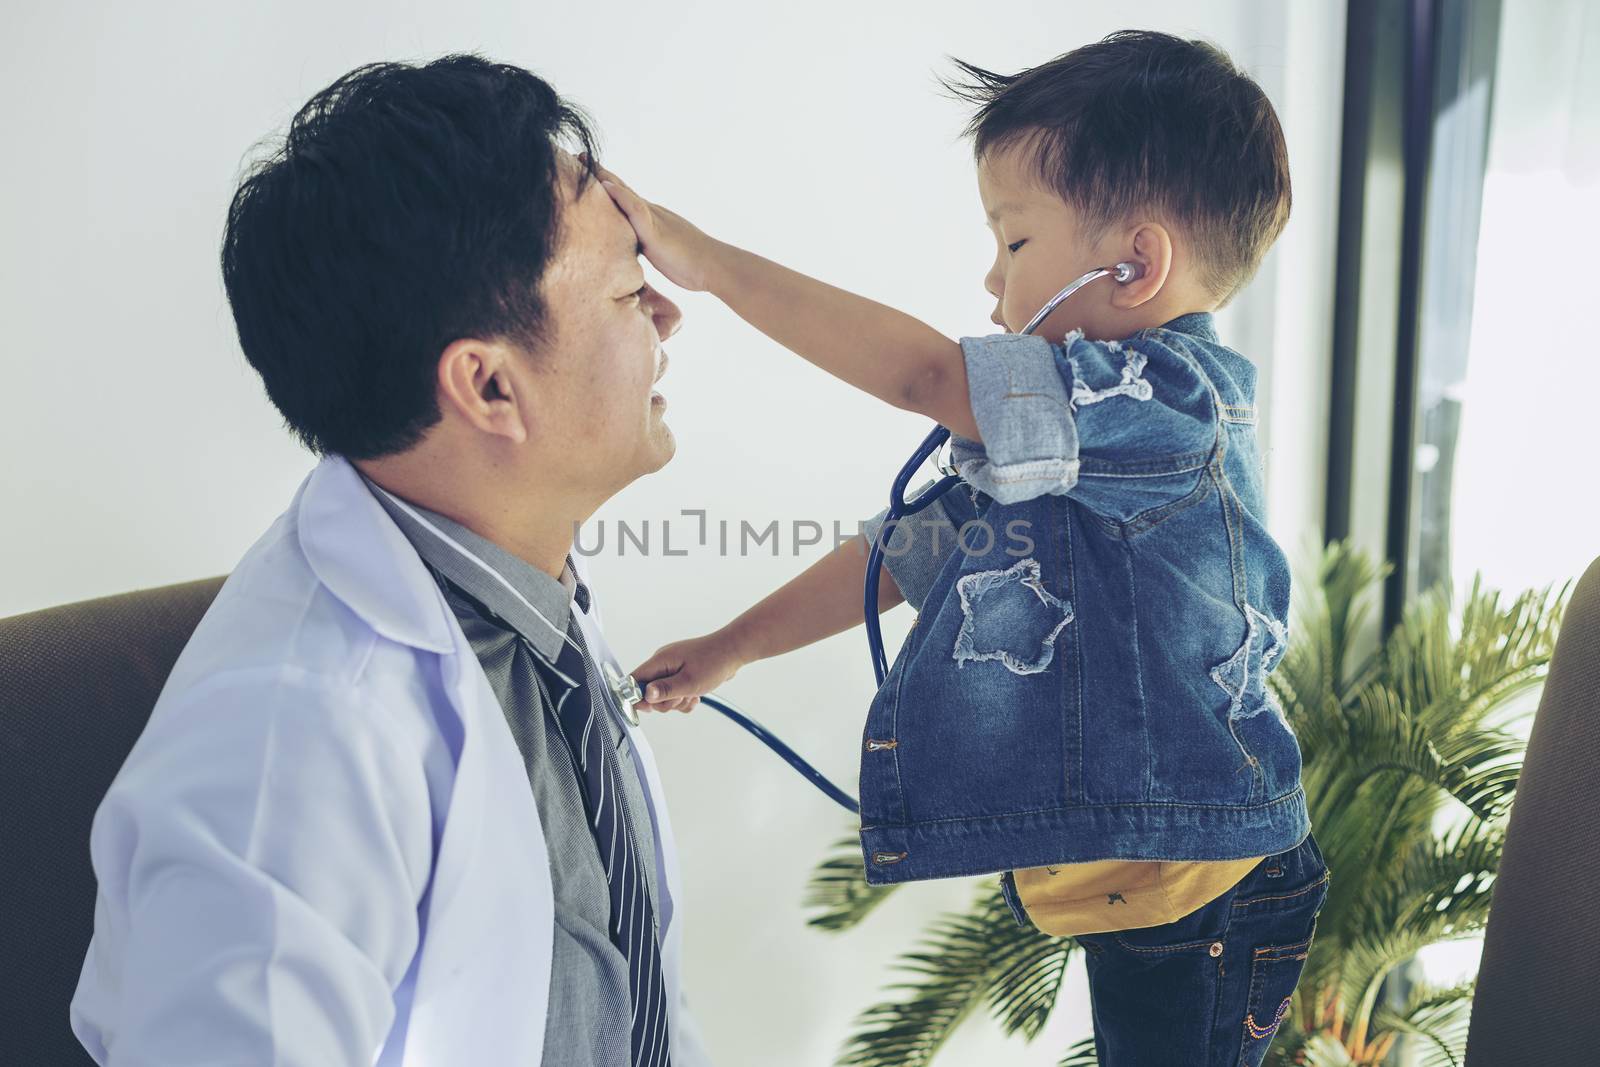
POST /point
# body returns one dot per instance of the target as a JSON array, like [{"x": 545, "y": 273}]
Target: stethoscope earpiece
[{"x": 1121, "y": 273}]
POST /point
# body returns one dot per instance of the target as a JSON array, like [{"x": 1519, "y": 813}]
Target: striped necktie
[{"x": 633, "y": 923}]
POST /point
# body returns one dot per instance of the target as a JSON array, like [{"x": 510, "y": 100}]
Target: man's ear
[
  {"x": 1150, "y": 246},
  {"x": 477, "y": 382}
]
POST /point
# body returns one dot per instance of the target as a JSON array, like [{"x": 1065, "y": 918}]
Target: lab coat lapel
[
  {"x": 462, "y": 1010},
  {"x": 505, "y": 915}
]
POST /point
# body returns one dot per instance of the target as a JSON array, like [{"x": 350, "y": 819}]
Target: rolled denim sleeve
[
  {"x": 917, "y": 546},
  {"x": 1024, "y": 413},
  {"x": 1122, "y": 426}
]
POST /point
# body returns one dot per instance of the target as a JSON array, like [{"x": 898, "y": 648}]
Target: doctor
[{"x": 385, "y": 810}]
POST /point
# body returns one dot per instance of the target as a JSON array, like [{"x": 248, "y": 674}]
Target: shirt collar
[
  {"x": 537, "y": 605},
  {"x": 1194, "y": 323}
]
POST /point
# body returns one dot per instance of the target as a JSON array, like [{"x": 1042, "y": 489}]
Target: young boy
[{"x": 1081, "y": 702}]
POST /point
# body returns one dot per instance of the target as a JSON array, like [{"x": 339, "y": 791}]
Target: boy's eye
[{"x": 1014, "y": 245}]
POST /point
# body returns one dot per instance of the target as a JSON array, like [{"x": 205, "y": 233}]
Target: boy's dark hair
[
  {"x": 408, "y": 206},
  {"x": 1147, "y": 121}
]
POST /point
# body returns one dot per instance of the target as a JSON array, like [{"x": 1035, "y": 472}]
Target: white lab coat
[{"x": 323, "y": 849}]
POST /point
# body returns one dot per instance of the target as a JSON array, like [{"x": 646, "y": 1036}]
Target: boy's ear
[{"x": 1151, "y": 247}]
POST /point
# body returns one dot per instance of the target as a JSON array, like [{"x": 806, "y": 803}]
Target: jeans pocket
[
  {"x": 1201, "y": 931},
  {"x": 1274, "y": 973},
  {"x": 1282, "y": 927}
]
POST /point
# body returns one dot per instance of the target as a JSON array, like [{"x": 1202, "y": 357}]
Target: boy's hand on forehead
[{"x": 672, "y": 244}]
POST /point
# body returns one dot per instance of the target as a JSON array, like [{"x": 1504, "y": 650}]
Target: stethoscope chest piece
[{"x": 624, "y": 688}]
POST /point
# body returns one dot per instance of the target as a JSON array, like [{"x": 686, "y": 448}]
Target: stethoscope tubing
[{"x": 793, "y": 758}]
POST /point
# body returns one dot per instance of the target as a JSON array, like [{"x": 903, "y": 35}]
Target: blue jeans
[{"x": 1210, "y": 989}]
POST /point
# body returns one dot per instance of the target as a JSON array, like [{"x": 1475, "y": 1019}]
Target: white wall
[{"x": 138, "y": 448}]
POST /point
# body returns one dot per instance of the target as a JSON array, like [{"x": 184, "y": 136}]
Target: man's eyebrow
[{"x": 629, "y": 257}]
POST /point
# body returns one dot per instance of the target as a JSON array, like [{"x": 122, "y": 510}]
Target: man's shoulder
[{"x": 275, "y": 628}]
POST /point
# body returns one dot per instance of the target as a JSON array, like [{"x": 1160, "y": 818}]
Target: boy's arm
[
  {"x": 875, "y": 348},
  {"x": 822, "y": 600}
]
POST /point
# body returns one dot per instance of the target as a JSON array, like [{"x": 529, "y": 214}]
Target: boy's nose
[{"x": 993, "y": 278}]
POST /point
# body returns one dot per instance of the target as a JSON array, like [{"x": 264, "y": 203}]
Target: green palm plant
[{"x": 1411, "y": 759}]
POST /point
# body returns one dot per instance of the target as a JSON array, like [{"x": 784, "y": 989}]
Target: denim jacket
[{"x": 1099, "y": 604}]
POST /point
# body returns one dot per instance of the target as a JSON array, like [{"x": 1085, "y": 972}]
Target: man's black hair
[{"x": 408, "y": 206}]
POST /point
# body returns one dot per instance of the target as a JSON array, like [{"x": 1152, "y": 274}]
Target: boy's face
[{"x": 1038, "y": 250}]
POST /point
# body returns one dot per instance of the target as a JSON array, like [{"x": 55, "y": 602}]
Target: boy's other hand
[
  {"x": 677, "y": 675},
  {"x": 672, "y": 244}
]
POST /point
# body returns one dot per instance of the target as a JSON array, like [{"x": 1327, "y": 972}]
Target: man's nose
[{"x": 667, "y": 315}]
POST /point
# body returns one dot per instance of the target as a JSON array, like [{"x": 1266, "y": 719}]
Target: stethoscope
[{"x": 626, "y": 690}]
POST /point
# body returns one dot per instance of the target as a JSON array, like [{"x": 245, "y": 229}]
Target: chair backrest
[
  {"x": 1539, "y": 982},
  {"x": 77, "y": 683}
]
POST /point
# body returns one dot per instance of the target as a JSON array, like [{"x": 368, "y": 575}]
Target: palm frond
[
  {"x": 1468, "y": 765},
  {"x": 1506, "y": 649},
  {"x": 1081, "y": 1055},
  {"x": 1318, "y": 1050},
  {"x": 952, "y": 964},
  {"x": 966, "y": 959},
  {"x": 1344, "y": 603},
  {"x": 1388, "y": 745},
  {"x": 1438, "y": 1019},
  {"x": 1321, "y": 661},
  {"x": 839, "y": 889},
  {"x": 1441, "y": 893},
  {"x": 1456, "y": 672},
  {"x": 1025, "y": 979}
]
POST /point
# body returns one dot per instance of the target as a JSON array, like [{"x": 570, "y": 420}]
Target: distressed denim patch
[
  {"x": 1133, "y": 383},
  {"x": 1244, "y": 675},
  {"x": 1009, "y": 615}
]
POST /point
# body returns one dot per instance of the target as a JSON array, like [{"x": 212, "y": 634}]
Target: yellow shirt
[{"x": 1089, "y": 898}]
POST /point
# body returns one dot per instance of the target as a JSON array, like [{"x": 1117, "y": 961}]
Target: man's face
[
  {"x": 1039, "y": 248},
  {"x": 598, "y": 370}
]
